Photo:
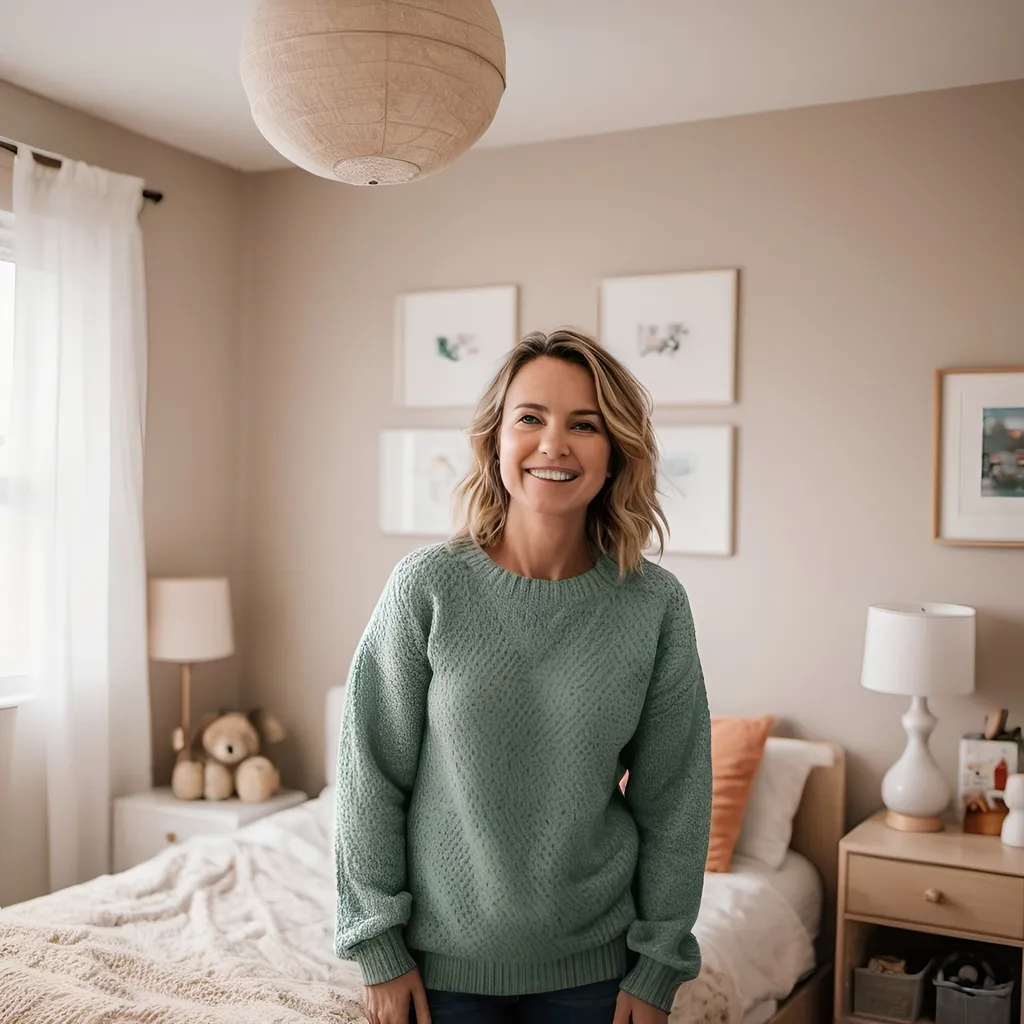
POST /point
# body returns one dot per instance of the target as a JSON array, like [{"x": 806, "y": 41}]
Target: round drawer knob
[
  {"x": 171, "y": 837},
  {"x": 933, "y": 895}
]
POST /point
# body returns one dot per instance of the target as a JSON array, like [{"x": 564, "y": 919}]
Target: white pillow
[{"x": 775, "y": 796}]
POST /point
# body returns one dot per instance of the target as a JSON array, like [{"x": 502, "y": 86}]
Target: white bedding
[
  {"x": 240, "y": 928},
  {"x": 797, "y": 881},
  {"x": 750, "y": 930},
  {"x": 231, "y": 929},
  {"x": 799, "y": 884}
]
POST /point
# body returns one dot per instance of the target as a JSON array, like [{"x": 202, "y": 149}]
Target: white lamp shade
[
  {"x": 189, "y": 620},
  {"x": 919, "y": 650}
]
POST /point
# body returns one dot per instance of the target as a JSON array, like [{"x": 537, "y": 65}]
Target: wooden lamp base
[
  {"x": 182, "y": 736},
  {"x": 909, "y": 823}
]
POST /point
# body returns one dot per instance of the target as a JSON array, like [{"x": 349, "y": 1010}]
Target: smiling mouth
[{"x": 555, "y": 475}]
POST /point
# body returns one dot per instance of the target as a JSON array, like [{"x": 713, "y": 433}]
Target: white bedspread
[
  {"x": 233, "y": 929},
  {"x": 753, "y": 937}
]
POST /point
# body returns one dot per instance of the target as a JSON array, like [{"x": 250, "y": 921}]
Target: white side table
[{"x": 146, "y": 823}]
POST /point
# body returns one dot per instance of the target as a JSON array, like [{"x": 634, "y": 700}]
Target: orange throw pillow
[{"x": 737, "y": 747}]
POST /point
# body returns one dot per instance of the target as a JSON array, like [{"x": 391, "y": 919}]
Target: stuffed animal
[{"x": 225, "y": 758}]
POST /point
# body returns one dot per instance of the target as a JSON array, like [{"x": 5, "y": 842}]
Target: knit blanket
[
  {"x": 221, "y": 930},
  {"x": 60, "y": 975}
]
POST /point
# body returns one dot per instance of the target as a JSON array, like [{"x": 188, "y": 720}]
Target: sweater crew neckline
[{"x": 604, "y": 573}]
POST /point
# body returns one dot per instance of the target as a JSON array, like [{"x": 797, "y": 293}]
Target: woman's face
[{"x": 554, "y": 451}]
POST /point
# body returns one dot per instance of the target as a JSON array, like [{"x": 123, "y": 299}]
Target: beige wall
[
  {"x": 191, "y": 492},
  {"x": 877, "y": 241}
]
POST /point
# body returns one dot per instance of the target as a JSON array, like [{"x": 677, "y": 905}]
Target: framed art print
[
  {"x": 449, "y": 344},
  {"x": 675, "y": 332},
  {"x": 419, "y": 470},
  {"x": 695, "y": 488},
  {"x": 979, "y": 457}
]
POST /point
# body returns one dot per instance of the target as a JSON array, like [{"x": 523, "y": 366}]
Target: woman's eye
[
  {"x": 529, "y": 416},
  {"x": 588, "y": 426}
]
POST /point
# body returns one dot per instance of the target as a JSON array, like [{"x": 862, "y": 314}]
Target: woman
[{"x": 490, "y": 868}]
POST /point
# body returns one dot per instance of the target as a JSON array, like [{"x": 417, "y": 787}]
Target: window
[
  {"x": 6, "y": 343},
  {"x": 10, "y": 607}
]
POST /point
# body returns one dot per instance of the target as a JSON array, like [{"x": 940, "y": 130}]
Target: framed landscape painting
[
  {"x": 449, "y": 344},
  {"x": 675, "y": 332},
  {"x": 979, "y": 457},
  {"x": 419, "y": 470},
  {"x": 695, "y": 488}
]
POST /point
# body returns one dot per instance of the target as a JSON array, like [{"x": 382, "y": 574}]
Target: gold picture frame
[{"x": 978, "y": 499}]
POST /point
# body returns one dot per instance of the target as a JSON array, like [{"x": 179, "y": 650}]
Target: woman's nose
[{"x": 554, "y": 443}]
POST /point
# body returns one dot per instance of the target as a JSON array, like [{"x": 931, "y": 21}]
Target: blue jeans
[{"x": 585, "y": 1004}]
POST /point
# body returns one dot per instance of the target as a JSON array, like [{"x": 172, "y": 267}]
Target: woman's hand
[
  {"x": 630, "y": 1010},
  {"x": 388, "y": 1002}
]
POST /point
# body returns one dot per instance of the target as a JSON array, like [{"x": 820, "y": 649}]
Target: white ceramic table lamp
[
  {"x": 920, "y": 651},
  {"x": 189, "y": 622}
]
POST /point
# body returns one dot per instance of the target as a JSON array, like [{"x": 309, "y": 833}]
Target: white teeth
[{"x": 552, "y": 474}]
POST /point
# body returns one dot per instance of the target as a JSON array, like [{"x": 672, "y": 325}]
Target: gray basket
[
  {"x": 957, "y": 1005},
  {"x": 896, "y": 997}
]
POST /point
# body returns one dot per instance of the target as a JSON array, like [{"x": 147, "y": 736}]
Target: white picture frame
[
  {"x": 979, "y": 483},
  {"x": 696, "y": 470},
  {"x": 675, "y": 332},
  {"x": 450, "y": 344},
  {"x": 419, "y": 470}
]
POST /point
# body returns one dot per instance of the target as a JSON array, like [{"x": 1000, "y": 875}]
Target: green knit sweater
[{"x": 481, "y": 834}]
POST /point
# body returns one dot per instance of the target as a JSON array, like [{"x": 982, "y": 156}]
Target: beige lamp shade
[
  {"x": 189, "y": 620},
  {"x": 373, "y": 92},
  {"x": 919, "y": 650}
]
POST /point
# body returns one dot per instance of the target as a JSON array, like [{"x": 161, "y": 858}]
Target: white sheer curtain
[{"x": 78, "y": 412}]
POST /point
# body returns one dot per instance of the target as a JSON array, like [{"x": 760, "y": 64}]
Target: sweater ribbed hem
[
  {"x": 653, "y": 982},
  {"x": 604, "y": 573},
  {"x": 482, "y": 977},
  {"x": 383, "y": 957}
]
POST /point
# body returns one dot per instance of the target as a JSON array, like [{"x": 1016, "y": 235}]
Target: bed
[{"x": 239, "y": 928}]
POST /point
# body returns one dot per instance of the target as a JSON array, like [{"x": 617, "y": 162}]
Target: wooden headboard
[{"x": 819, "y": 824}]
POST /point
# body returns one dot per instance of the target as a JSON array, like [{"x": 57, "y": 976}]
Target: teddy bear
[{"x": 224, "y": 758}]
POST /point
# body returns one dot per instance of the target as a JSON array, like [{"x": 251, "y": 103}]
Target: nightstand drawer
[{"x": 940, "y": 897}]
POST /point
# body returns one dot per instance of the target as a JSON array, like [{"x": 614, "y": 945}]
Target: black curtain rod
[{"x": 49, "y": 161}]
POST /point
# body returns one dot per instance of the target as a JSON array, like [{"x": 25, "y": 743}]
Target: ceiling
[{"x": 575, "y": 67}]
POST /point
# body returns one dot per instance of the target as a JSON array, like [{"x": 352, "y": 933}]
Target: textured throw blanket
[
  {"x": 83, "y": 975},
  {"x": 221, "y": 930},
  {"x": 218, "y": 930}
]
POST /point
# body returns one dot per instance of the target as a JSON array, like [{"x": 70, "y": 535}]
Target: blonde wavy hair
[{"x": 625, "y": 515}]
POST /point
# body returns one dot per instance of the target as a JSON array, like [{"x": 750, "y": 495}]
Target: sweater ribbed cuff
[
  {"x": 383, "y": 957},
  {"x": 653, "y": 982}
]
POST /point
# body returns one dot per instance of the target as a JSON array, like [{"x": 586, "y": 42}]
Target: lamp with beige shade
[{"x": 189, "y": 622}]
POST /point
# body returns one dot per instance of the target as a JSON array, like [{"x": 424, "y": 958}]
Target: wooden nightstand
[
  {"x": 940, "y": 883},
  {"x": 145, "y": 823}
]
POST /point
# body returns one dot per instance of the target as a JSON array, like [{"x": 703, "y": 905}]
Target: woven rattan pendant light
[{"x": 373, "y": 92}]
